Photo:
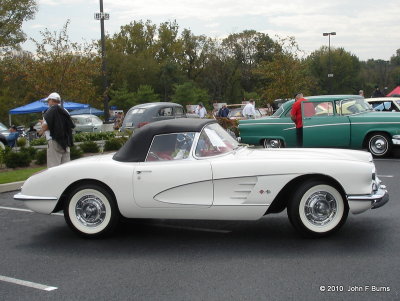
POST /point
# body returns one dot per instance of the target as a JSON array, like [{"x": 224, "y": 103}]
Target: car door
[
  {"x": 170, "y": 178},
  {"x": 325, "y": 128}
]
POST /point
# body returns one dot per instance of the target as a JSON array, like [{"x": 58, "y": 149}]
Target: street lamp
[
  {"x": 103, "y": 16},
  {"x": 330, "y": 74}
]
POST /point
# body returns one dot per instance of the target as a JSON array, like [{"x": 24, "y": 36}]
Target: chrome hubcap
[
  {"x": 90, "y": 211},
  {"x": 320, "y": 208},
  {"x": 378, "y": 145},
  {"x": 272, "y": 143}
]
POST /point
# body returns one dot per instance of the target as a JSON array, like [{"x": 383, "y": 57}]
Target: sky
[{"x": 369, "y": 29}]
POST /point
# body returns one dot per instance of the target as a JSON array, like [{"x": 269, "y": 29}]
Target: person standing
[
  {"x": 249, "y": 112},
  {"x": 377, "y": 93},
  {"x": 361, "y": 93},
  {"x": 201, "y": 111},
  {"x": 223, "y": 111},
  {"x": 12, "y": 137},
  {"x": 57, "y": 126},
  {"x": 297, "y": 117}
]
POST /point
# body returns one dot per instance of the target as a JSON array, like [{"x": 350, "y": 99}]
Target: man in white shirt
[
  {"x": 201, "y": 111},
  {"x": 248, "y": 111}
]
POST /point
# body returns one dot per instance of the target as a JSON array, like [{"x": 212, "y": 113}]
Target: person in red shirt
[{"x": 297, "y": 116}]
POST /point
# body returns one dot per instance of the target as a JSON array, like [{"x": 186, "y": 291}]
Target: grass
[{"x": 18, "y": 174}]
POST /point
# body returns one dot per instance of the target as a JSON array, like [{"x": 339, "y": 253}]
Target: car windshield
[
  {"x": 352, "y": 106},
  {"x": 278, "y": 112},
  {"x": 213, "y": 141},
  {"x": 132, "y": 114},
  {"x": 3, "y": 127}
]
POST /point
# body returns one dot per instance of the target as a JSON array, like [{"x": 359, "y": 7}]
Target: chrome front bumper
[
  {"x": 40, "y": 204},
  {"x": 372, "y": 201},
  {"x": 396, "y": 140}
]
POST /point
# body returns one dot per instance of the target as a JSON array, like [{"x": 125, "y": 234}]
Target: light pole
[
  {"x": 330, "y": 74},
  {"x": 103, "y": 16}
]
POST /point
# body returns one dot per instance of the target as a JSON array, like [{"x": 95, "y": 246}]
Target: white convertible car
[{"x": 193, "y": 169}]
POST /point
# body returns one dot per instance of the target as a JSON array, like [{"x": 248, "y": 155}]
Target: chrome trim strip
[
  {"x": 329, "y": 124},
  {"x": 22, "y": 197},
  {"x": 265, "y": 123},
  {"x": 371, "y": 122}
]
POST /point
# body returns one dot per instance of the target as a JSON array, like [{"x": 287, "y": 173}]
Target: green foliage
[
  {"x": 75, "y": 152},
  {"x": 17, "y": 159},
  {"x": 39, "y": 141},
  {"x": 89, "y": 147},
  {"x": 96, "y": 136},
  {"x": 31, "y": 151},
  {"x": 12, "y": 14},
  {"x": 344, "y": 66},
  {"x": 3, "y": 153},
  {"x": 21, "y": 142},
  {"x": 18, "y": 174},
  {"x": 188, "y": 93},
  {"x": 41, "y": 157},
  {"x": 113, "y": 144},
  {"x": 286, "y": 73}
]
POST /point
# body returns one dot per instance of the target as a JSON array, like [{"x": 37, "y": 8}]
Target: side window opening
[{"x": 169, "y": 147}]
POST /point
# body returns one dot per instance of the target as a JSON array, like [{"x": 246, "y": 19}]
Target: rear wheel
[
  {"x": 379, "y": 145},
  {"x": 317, "y": 209},
  {"x": 91, "y": 211},
  {"x": 272, "y": 143}
]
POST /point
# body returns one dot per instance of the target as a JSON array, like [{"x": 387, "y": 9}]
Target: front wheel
[
  {"x": 91, "y": 211},
  {"x": 379, "y": 145},
  {"x": 317, "y": 209},
  {"x": 272, "y": 143}
]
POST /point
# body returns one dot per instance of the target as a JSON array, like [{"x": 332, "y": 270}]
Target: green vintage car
[{"x": 339, "y": 121}]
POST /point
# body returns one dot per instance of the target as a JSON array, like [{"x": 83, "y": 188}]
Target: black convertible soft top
[{"x": 135, "y": 149}]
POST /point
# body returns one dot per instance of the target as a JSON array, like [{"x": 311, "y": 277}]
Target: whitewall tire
[
  {"x": 91, "y": 211},
  {"x": 317, "y": 209}
]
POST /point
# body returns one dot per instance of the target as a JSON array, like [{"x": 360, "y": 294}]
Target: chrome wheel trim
[
  {"x": 321, "y": 208},
  {"x": 378, "y": 145},
  {"x": 272, "y": 143},
  {"x": 89, "y": 211}
]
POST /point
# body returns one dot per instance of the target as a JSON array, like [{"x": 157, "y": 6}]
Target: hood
[{"x": 300, "y": 154}]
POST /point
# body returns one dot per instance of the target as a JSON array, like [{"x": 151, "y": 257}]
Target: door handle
[{"x": 142, "y": 171}]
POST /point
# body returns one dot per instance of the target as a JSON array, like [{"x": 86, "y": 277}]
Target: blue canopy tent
[
  {"x": 88, "y": 110},
  {"x": 41, "y": 106}
]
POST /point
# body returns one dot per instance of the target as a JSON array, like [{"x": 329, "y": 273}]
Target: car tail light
[{"x": 142, "y": 124}]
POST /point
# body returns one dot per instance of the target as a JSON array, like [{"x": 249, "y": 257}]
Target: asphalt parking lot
[{"x": 41, "y": 259}]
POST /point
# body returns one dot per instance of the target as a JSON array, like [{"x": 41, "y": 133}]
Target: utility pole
[
  {"x": 330, "y": 74},
  {"x": 103, "y": 16}
]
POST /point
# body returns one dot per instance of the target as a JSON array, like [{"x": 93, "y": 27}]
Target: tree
[
  {"x": 65, "y": 67},
  {"x": 345, "y": 67},
  {"x": 188, "y": 93},
  {"x": 286, "y": 73},
  {"x": 12, "y": 14}
]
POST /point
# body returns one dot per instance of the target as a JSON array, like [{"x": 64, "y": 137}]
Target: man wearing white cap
[{"x": 57, "y": 126}]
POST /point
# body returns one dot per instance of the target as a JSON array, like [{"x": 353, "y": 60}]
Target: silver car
[
  {"x": 145, "y": 113},
  {"x": 87, "y": 123}
]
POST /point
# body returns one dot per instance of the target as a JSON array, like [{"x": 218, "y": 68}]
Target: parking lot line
[
  {"x": 28, "y": 283},
  {"x": 385, "y": 176}
]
